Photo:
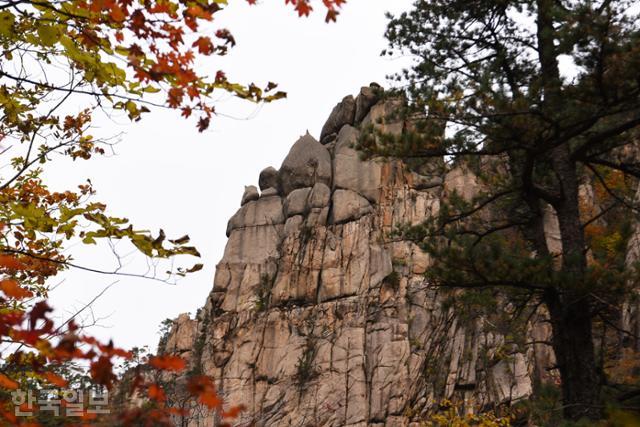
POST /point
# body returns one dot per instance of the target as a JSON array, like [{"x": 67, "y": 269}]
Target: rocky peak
[
  {"x": 308, "y": 162},
  {"x": 318, "y": 318}
]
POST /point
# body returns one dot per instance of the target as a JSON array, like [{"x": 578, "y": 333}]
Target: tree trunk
[
  {"x": 570, "y": 302},
  {"x": 573, "y": 346}
]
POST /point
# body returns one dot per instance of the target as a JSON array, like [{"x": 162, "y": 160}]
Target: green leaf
[
  {"x": 48, "y": 34},
  {"x": 6, "y": 24}
]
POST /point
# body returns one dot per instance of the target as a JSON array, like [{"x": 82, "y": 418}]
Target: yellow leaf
[{"x": 6, "y": 23}]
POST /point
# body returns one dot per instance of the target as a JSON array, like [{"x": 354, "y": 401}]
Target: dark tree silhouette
[{"x": 541, "y": 99}]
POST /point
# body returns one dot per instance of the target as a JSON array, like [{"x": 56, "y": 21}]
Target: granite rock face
[
  {"x": 349, "y": 206},
  {"x": 343, "y": 114},
  {"x": 366, "y": 99},
  {"x": 268, "y": 178},
  {"x": 352, "y": 173},
  {"x": 182, "y": 336},
  {"x": 263, "y": 211},
  {"x": 308, "y": 162},
  {"x": 317, "y": 317},
  {"x": 250, "y": 194}
]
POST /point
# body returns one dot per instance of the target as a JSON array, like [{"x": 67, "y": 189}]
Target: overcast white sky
[{"x": 168, "y": 175}]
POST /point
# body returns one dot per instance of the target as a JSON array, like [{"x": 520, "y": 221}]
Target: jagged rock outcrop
[
  {"x": 367, "y": 98},
  {"x": 308, "y": 162},
  {"x": 250, "y": 194},
  {"x": 182, "y": 337},
  {"x": 318, "y": 318},
  {"x": 268, "y": 178},
  {"x": 350, "y": 173},
  {"x": 343, "y": 114}
]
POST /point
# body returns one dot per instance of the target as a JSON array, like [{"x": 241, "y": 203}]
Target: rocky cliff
[{"x": 318, "y": 317}]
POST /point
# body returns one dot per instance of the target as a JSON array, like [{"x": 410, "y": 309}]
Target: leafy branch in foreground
[{"x": 112, "y": 57}]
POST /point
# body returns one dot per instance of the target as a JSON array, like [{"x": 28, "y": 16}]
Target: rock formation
[{"x": 318, "y": 318}]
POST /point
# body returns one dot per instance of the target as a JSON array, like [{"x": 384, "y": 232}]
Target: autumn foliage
[{"x": 113, "y": 56}]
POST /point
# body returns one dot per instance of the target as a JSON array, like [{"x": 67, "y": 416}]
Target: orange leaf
[
  {"x": 233, "y": 412},
  {"x": 6, "y": 382},
  {"x": 12, "y": 289},
  {"x": 168, "y": 363},
  {"x": 54, "y": 379},
  {"x": 9, "y": 416},
  {"x": 175, "y": 97},
  {"x": 117, "y": 14},
  {"x": 205, "y": 390},
  {"x": 11, "y": 262},
  {"x": 28, "y": 337},
  {"x": 178, "y": 411},
  {"x": 210, "y": 399},
  {"x": 102, "y": 371},
  {"x": 204, "y": 45},
  {"x": 156, "y": 393},
  {"x": 88, "y": 416},
  {"x": 303, "y": 8}
]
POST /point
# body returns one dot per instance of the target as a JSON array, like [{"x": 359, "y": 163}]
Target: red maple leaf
[
  {"x": 156, "y": 393},
  {"x": 12, "y": 289},
  {"x": 204, "y": 45},
  {"x": 175, "y": 97},
  {"x": 168, "y": 363},
  {"x": 303, "y": 8}
]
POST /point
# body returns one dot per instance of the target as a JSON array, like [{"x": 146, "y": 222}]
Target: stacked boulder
[{"x": 318, "y": 318}]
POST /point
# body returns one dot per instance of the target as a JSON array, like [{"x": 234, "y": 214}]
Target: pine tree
[{"x": 541, "y": 99}]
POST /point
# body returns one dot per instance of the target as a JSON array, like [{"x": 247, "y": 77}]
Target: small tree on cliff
[{"x": 544, "y": 145}]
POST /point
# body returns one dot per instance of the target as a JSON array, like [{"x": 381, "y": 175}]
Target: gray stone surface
[
  {"x": 422, "y": 182},
  {"x": 296, "y": 202},
  {"x": 352, "y": 173},
  {"x": 293, "y": 224},
  {"x": 348, "y": 206},
  {"x": 342, "y": 114},
  {"x": 385, "y": 117},
  {"x": 250, "y": 194},
  {"x": 462, "y": 182},
  {"x": 366, "y": 99},
  {"x": 317, "y": 217},
  {"x": 268, "y": 192},
  {"x": 308, "y": 162},
  {"x": 264, "y": 211},
  {"x": 319, "y": 196},
  {"x": 268, "y": 178}
]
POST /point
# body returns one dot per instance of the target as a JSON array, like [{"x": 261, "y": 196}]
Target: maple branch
[
  {"x": 82, "y": 91},
  {"x": 27, "y": 165},
  {"x": 83, "y": 268},
  {"x": 12, "y": 4},
  {"x": 78, "y": 312}
]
